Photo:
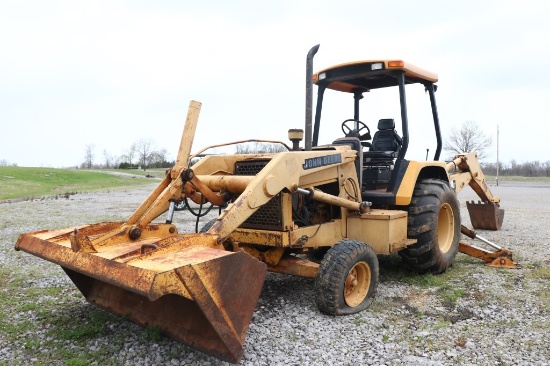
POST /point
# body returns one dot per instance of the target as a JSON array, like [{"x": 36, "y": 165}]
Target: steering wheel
[{"x": 352, "y": 132}]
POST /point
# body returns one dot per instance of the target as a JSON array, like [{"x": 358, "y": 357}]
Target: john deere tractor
[{"x": 344, "y": 202}]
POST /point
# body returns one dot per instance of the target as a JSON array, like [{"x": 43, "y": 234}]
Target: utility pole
[{"x": 498, "y": 162}]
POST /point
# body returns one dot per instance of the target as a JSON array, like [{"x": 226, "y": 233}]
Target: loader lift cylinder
[{"x": 170, "y": 214}]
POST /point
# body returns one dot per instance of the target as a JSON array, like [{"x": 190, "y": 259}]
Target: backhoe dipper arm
[{"x": 465, "y": 169}]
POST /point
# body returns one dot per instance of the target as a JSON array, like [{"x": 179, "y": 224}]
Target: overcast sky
[{"x": 109, "y": 73}]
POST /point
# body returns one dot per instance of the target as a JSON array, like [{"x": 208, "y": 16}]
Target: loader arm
[{"x": 285, "y": 171}]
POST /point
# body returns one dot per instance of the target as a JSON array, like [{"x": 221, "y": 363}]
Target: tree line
[
  {"x": 4, "y": 162},
  {"x": 140, "y": 155},
  {"x": 527, "y": 169}
]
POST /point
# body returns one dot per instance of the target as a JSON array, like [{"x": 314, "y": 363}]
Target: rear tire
[
  {"x": 347, "y": 278},
  {"x": 434, "y": 221}
]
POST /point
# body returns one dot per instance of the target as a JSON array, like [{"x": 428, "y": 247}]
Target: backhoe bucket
[
  {"x": 183, "y": 285},
  {"x": 485, "y": 216}
]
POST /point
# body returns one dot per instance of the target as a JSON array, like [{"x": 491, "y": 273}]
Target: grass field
[
  {"x": 29, "y": 183},
  {"x": 513, "y": 178}
]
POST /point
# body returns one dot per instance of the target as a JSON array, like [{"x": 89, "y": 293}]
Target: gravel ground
[{"x": 471, "y": 315}]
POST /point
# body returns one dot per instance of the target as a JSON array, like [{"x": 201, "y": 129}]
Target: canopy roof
[{"x": 366, "y": 75}]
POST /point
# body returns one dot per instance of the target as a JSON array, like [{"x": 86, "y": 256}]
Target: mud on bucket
[{"x": 485, "y": 215}]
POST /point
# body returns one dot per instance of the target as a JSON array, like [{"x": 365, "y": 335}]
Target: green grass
[
  {"x": 70, "y": 326},
  {"x": 392, "y": 269},
  {"x": 30, "y": 183},
  {"x": 450, "y": 294},
  {"x": 514, "y": 178},
  {"x": 157, "y": 172}
]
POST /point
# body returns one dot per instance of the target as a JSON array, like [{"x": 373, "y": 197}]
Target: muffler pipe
[{"x": 309, "y": 96}]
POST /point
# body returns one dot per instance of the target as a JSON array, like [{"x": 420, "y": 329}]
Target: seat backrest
[{"x": 386, "y": 138}]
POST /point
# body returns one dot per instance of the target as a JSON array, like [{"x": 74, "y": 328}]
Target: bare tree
[
  {"x": 470, "y": 138},
  {"x": 144, "y": 149},
  {"x": 161, "y": 155},
  {"x": 546, "y": 166},
  {"x": 158, "y": 158},
  {"x": 89, "y": 156},
  {"x": 117, "y": 159},
  {"x": 258, "y": 148},
  {"x": 131, "y": 153},
  {"x": 108, "y": 159},
  {"x": 4, "y": 162}
]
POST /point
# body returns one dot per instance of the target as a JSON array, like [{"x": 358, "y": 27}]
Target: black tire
[
  {"x": 348, "y": 278},
  {"x": 434, "y": 221}
]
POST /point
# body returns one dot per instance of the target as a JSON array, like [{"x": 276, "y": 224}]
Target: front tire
[
  {"x": 348, "y": 278},
  {"x": 434, "y": 221}
]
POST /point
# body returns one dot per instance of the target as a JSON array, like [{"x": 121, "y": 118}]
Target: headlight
[{"x": 377, "y": 66}]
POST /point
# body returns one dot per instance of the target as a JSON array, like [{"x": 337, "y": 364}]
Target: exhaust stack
[{"x": 309, "y": 96}]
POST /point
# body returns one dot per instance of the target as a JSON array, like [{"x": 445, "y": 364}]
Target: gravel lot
[{"x": 471, "y": 315}]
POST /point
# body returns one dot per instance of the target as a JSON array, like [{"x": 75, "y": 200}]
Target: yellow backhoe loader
[{"x": 344, "y": 202}]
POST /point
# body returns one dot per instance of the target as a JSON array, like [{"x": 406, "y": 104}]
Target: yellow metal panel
[
  {"x": 263, "y": 237},
  {"x": 296, "y": 266},
  {"x": 325, "y": 234},
  {"x": 174, "y": 259},
  {"x": 328, "y": 175},
  {"x": 286, "y": 208},
  {"x": 381, "y": 229},
  {"x": 406, "y": 188}
]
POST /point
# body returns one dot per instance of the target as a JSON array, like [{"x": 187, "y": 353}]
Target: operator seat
[{"x": 386, "y": 144}]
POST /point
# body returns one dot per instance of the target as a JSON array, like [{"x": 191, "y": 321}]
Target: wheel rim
[
  {"x": 357, "y": 284},
  {"x": 445, "y": 228}
]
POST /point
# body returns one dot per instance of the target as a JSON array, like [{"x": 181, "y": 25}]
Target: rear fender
[{"x": 417, "y": 170}]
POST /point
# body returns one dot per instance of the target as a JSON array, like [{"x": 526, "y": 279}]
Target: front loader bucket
[
  {"x": 485, "y": 216},
  {"x": 196, "y": 294}
]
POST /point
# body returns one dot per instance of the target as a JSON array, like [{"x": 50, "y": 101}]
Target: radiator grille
[{"x": 267, "y": 217}]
